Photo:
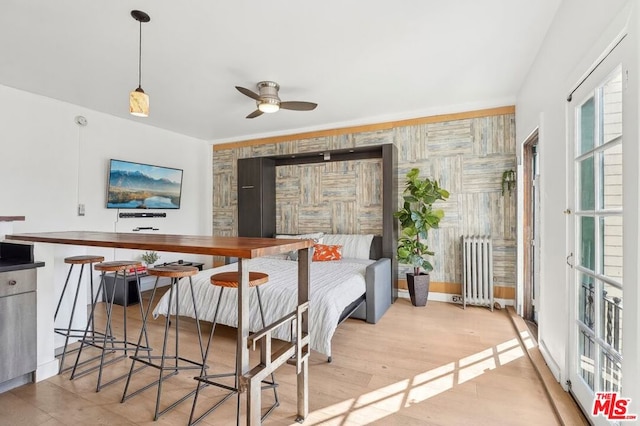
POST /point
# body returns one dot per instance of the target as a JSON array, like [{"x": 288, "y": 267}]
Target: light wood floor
[{"x": 437, "y": 365}]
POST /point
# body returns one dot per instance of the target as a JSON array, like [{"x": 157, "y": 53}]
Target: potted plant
[
  {"x": 150, "y": 257},
  {"x": 417, "y": 217}
]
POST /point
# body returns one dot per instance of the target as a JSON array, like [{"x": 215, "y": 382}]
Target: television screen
[{"x": 143, "y": 186}]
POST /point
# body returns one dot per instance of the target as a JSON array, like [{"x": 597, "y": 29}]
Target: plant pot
[{"x": 418, "y": 288}]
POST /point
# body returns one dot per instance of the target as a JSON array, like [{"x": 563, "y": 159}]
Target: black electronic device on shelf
[
  {"x": 182, "y": 263},
  {"x": 137, "y": 214}
]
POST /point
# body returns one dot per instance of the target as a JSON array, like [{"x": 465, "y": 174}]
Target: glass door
[
  {"x": 596, "y": 230},
  {"x": 535, "y": 246},
  {"x": 531, "y": 225}
]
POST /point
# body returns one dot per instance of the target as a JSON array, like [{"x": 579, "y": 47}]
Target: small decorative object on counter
[{"x": 150, "y": 257}]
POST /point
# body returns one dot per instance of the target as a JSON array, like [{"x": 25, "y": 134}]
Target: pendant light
[{"x": 138, "y": 100}]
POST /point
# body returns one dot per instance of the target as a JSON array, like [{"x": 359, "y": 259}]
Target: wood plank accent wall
[
  {"x": 337, "y": 197},
  {"x": 467, "y": 152},
  {"x": 369, "y": 127}
]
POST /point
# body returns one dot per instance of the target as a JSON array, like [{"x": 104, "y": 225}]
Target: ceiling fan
[{"x": 268, "y": 101}]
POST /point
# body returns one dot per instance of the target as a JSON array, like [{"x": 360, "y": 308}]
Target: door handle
[{"x": 569, "y": 257}]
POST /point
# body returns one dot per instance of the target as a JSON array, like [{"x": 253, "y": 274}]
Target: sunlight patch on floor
[
  {"x": 474, "y": 370},
  {"x": 380, "y": 403},
  {"x": 388, "y": 397},
  {"x": 527, "y": 339}
]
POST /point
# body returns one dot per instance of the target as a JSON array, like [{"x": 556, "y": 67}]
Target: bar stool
[
  {"x": 69, "y": 331},
  {"x": 178, "y": 363},
  {"x": 230, "y": 280},
  {"x": 106, "y": 342}
]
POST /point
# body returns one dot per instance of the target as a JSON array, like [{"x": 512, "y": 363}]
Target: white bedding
[{"x": 334, "y": 285}]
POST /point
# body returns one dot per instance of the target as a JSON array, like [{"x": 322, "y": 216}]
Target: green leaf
[{"x": 413, "y": 173}]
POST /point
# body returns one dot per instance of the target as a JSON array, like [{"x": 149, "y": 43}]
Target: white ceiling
[{"x": 361, "y": 61}]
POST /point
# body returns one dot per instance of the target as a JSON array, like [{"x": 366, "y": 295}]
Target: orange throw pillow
[{"x": 322, "y": 252}]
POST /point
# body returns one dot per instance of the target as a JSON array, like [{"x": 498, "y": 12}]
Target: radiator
[{"x": 477, "y": 271}]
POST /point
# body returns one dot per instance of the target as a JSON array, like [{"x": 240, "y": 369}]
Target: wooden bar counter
[{"x": 244, "y": 249}]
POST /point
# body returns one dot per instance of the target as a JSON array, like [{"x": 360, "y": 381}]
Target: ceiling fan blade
[
  {"x": 248, "y": 93},
  {"x": 254, "y": 114},
  {"x": 298, "y": 105}
]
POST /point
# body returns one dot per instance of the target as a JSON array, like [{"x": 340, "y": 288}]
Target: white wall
[
  {"x": 49, "y": 164},
  {"x": 581, "y": 31}
]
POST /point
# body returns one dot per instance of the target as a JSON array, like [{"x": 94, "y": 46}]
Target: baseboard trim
[
  {"x": 551, "y": 363},
  {"x": 447, "y": 297},
  {"x": 47, "y": 370},
  {"x": 499, "y": 291}
]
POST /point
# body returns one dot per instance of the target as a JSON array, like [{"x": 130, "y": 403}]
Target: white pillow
[
  {"x": 353, "y": 246},
  {"x": 315, "y": 236}
]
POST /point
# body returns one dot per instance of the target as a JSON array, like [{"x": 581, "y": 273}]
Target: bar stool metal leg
[
  {"x": 69, "y": 332},
  {"x": 90, "y": 325},
  {"x": 205, "y": 380},
  {"x": 165, "y": 360},
  {"x": 106, "y": 342},
  {"x": 64, "y": 289}
]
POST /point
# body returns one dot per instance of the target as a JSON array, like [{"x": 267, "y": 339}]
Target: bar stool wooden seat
[
  {"x": 230, "y": 280},
  {"x": 172, "y": 363},
  {"x": 106, "y": 342},
  {"x": 69, "y": 331}
]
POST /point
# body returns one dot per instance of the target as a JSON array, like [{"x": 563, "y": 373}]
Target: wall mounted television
[{"x": 143, "y": 186}]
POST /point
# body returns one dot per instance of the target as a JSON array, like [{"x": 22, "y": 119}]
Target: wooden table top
[{"x": 242, "y": 247}]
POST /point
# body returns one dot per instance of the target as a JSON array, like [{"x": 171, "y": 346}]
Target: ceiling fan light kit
[
  {"x": 138, "y": 100},
  {"x": 268, "y": 105},
  {"x": 268, "y": 101}
]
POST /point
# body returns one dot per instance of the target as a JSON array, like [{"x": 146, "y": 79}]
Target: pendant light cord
[{"x": 140, "y": 56}]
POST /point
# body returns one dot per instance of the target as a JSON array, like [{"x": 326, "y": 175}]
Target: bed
[{"x": 358, "y": 286}]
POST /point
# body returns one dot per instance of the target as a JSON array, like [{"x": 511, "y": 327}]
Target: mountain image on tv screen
[{"x": 142, "y": 186}]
